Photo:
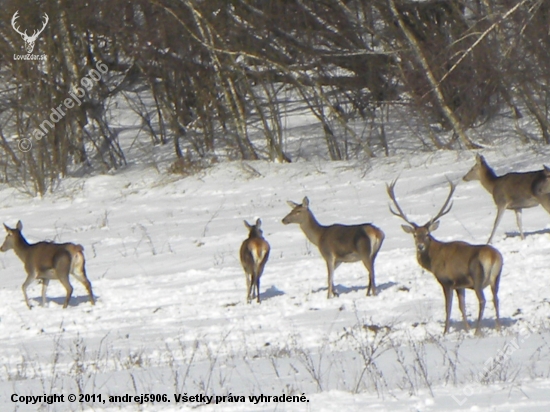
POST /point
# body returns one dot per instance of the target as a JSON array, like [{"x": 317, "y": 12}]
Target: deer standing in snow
[
  {"x": 254, "y": 254},
  {"x": 456, "y": 265},
  {"x": 513, "y": 191},
  {"x": 47, "y": 260},
  {"x": 339, "y": 243}
]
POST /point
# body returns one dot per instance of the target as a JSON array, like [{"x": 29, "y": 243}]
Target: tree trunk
[{"x": 417, "y": 49}]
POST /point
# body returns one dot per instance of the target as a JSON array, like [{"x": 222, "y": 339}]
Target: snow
[{"x": 171, "y": 315}]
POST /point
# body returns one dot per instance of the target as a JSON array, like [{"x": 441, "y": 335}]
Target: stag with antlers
[{"x": 456, "y": 265}]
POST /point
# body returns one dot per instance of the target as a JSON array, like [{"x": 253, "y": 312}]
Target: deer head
[
  {"x": 299, "y": 212},
  {"x": 29, "y": 40},
  {"x": 11, "y": 237},
  {"x": 422, "y": 234},
  {"x": 254, "y": 230}
]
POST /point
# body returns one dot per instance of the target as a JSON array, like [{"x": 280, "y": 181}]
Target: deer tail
[{"x": 376, "y": 237}]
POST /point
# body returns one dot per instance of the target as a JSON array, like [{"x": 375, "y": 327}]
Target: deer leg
[
  {"x": 260, "y": 272},
  {"x": 45, "y": 283},
  {"x": 518, "y": 221},
  {"x": 372, "y": 284},
  {"x": 258, "y": 288},
  {"x": 331, "y": 266},
  {"x": 253, "y": 285},
  {"x": 500, "y": 212},
  {"x": 67, "y": 285},
  {"x": 481, "y": 298},
  {"x": 64, "y": 279},
  {"x": 460, "y": 293},
  {"x": 448, "y": 292},
  {"x": 82, "y": 278},
  {"x": 26, "y": 284},
  {"x": 494, "y": 290},
  {"x": 62, "y": 269},
  {"x": 88, "y": 287},
  {"x": 249, "y": 278}
]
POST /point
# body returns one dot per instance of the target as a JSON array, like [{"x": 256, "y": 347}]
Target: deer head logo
[{"x": 29, "y": 40}]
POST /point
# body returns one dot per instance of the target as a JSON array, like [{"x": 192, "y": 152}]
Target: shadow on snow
[{"x": 343, "y": 290}]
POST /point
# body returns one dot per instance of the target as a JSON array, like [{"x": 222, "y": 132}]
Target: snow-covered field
[{"x": 171, "y": 316}]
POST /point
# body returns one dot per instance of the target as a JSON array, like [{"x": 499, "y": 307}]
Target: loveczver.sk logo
[{"x": 29, "y": 40}]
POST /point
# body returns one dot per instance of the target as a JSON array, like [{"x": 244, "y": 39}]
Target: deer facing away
[
  {"x": 339, "y": 243},
  {"x": 456, "y": 265},
  {"x": 46, "y": 260},
  {"x": 514, "y": 191},
  {"x": 254, "y": 254}
]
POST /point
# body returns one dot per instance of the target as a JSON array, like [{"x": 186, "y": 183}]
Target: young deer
[
  {"x": 46, "y": 260},
  {"x": 513, "y": 191},
  {"x": 455, "y": 265},
  {"x": 339, "y": 243},
  {"x": 254, "y": 254}
]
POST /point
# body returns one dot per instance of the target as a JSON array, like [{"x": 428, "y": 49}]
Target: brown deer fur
[
  {"x": 46, "y": 260},
  {"x": 254, "y": 254},
  {"x": 514, "y": 191},
  {"x": 456, "y": 265},
  {"x": 339, "y": 243}
]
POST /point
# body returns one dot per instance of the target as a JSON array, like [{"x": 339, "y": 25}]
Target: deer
[
  {"x": 29, "y": 40},
  {"x": 456, "y": 265},
  {"x": 47, "y": 260},
  {"x": 254, "y": 254},
  {"x": 514, "y": 191},
  {"x": 339, "y": 243}
]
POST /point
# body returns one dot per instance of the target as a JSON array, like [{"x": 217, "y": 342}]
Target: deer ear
[
  {"x": 7, "y": 228},
  {"x": 305, "y": 202},
  {"x": 407, "y": 229},
  {"x": 258, "y": 223},
  {"x": 433, "y": 226},
  {"x": 292, "y": 204},
  {"x": 247, "y": 225},
  {"x": 19, "y": 225}
]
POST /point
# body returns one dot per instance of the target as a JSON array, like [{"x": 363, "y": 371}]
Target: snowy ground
[{"x": 171, "y": 317}]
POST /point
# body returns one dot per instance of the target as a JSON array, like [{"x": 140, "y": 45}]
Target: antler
[
  {"x": 399, "y": 213},
  {"x": 35, "y": 35},
  {"x": 444, "y": 209},
  {"x": 15, "y": 17},
  {"x": 25, "y": 35}
]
